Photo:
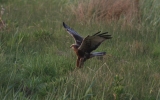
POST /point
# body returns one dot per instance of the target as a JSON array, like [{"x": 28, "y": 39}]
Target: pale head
[{"x": 74, "y": 46}]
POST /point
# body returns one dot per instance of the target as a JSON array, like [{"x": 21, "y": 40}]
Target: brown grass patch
[
  {"x": 106, "y": 10},
  {"x": 2, "y": 24}
]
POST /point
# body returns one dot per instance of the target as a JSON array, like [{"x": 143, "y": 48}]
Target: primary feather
[
  {"x": 78, "y": 39},
  {"x": 90, "y": 43}
]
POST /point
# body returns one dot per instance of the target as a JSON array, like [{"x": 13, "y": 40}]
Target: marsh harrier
[{"x": 83, "y": 47}]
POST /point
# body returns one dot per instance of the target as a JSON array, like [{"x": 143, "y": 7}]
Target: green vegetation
[{"x": 36, "y": 62}]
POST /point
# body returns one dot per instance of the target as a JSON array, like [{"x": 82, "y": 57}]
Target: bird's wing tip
[{"x": 64, "y": 25}]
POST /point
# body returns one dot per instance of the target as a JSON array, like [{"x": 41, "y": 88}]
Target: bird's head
[{"x": 74, "y": 46}]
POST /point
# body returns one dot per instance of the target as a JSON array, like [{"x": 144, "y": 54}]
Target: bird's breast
[{"x": 80, "y": 53}]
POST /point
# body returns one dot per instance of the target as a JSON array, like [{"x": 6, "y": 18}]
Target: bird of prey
[{"x": 83, "y": 47}]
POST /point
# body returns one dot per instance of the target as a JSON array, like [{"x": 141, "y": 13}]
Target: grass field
[{"x": 36, "y": 62}]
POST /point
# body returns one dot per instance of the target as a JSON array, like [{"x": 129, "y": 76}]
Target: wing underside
[{"x": 78, "y": 39}]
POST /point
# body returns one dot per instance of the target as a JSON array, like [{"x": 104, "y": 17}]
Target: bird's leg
[
  {"x": 78, "y": 59},
  {"x": 81, "y": 62}
]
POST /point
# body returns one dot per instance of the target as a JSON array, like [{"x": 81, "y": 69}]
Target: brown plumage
[{"x": 84, "y": 47}]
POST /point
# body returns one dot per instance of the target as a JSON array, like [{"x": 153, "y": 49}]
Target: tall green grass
[{"x": 37, "y": 63}]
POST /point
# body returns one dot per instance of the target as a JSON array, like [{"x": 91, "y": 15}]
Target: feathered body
[{"x": 84, "y": 47}]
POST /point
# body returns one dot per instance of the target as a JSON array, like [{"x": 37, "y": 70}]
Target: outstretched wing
[
  {"x": 90, "y": 43},
  {"x": 78, "y": 39}
]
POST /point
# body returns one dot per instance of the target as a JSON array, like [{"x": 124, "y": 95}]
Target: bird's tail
[{"x": 97, "y": 54}]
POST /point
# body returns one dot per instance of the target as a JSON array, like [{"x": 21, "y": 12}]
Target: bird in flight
[{"x": 83, "y": 47}]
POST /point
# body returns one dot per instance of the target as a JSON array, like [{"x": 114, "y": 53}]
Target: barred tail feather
[{"x": 97, "y": 54}]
